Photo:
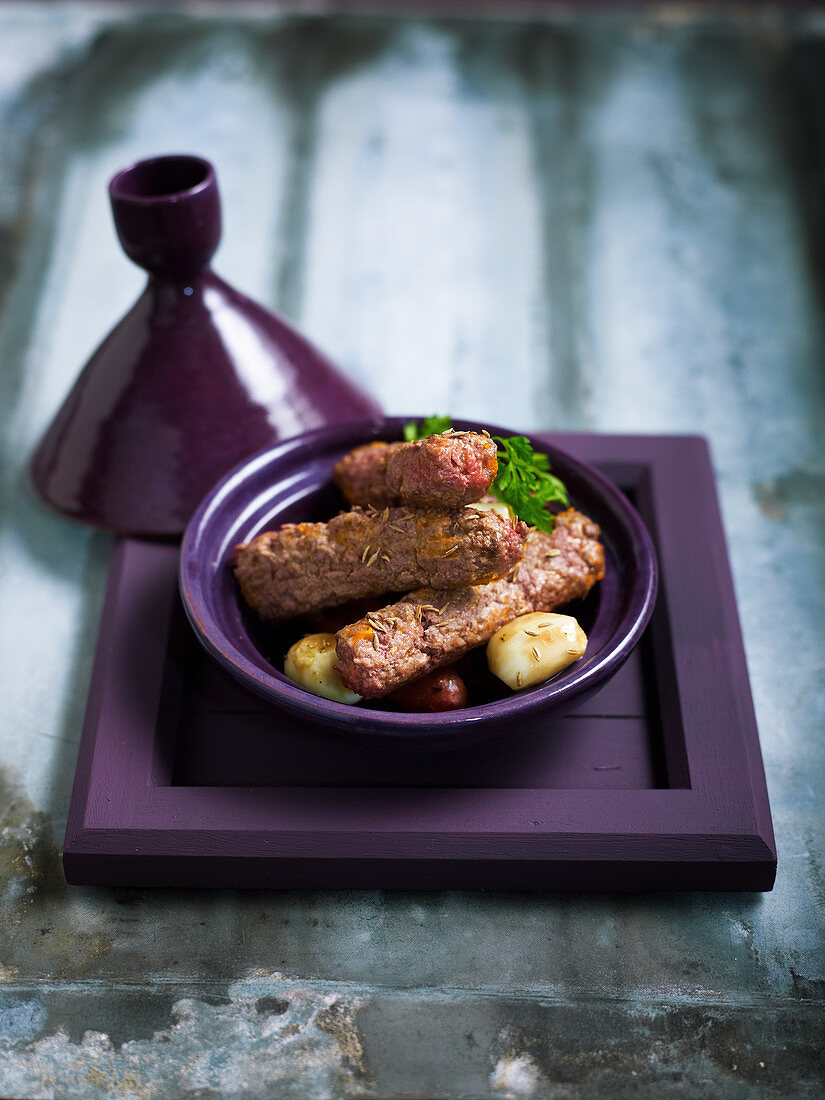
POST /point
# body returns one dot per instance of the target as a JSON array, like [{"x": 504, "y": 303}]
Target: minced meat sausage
[
  {"x": 441, "y": 471},
  {"x": 304, "y": 567},
  {"x": 428, "y": 628},
  {"x": 563, "y": 565}
]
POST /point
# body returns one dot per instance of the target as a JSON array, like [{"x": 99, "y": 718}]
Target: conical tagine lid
[{"x": 194, "y": 378}]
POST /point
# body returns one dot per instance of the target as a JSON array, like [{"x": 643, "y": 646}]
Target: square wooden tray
[{"x": 656, "y": 783}]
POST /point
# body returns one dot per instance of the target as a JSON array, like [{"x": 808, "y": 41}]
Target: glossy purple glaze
[
  {"x": 292, "y": 482},
  {"x": 191, "y": 381}
]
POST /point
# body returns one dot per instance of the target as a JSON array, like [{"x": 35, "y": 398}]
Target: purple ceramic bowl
[{"x": 292, "y": 482}]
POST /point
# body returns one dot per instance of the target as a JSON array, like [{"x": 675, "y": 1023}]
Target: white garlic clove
[
  {"x": 310, "y": 663},
  {"x": 534, "y": 647}
]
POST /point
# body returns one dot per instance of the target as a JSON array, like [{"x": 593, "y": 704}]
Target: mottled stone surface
[{"x": 601, "y": 221}]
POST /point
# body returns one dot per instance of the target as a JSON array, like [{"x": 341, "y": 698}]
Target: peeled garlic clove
[
  {"x": 310, "y": 663},
  {"x": 534, "y": 647}
]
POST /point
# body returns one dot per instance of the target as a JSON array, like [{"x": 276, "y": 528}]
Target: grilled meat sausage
[
  {"x": 304, "y": 567},
  {"x": 563, "y": 565},
  {"x": 441, "y": 471},
  {"x": 426, "y": 629},
  {"x": 429, "y": 628}
]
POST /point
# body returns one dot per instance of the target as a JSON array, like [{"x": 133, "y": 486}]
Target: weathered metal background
[{"x": 595, "y": 220}]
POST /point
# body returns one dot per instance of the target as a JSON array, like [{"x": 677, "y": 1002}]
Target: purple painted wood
[
  {"x": 184, "y": 779},
  {"x": 192, "y": 380}
]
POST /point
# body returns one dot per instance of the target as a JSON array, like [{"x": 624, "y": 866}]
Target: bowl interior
[{"x": 292, "y": 482}]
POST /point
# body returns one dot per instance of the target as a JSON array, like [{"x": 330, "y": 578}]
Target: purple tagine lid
[{"x": 193, "y": 379}]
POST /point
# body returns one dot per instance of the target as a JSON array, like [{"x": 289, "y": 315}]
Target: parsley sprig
[
  {"x": 431, "y": 425},
  {"x": 525, "y": 483}
]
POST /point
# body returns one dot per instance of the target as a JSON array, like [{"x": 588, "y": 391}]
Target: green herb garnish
[
  {"x": 525, "y": 483},
  {"x": 432, "y": 425}
]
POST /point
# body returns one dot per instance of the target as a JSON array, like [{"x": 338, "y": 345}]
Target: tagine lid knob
[{"x": 167, "y": 214}]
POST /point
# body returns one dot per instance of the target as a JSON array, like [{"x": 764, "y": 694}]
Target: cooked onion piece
[
  {"x": 490, "y": 504},
  {"x": 310, "y": 663},
  {"x": 532, "y": 648}
]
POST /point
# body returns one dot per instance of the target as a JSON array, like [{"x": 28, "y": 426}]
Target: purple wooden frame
[{"x": 135, "y": 818}]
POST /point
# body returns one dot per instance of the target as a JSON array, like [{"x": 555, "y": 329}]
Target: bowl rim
[{"x": 280, "y": 691}]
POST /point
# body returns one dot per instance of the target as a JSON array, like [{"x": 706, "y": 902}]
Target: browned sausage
[
  {"x": 441, "y": 471},
  {"x": 304, "y": 567},
  {"x": 440, "y": 690}
]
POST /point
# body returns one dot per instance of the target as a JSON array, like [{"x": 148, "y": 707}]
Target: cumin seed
[
  {"x": 375, "y": 642},
  {"x": 532, "y": 633},
  {"x": 394, "y": 527},
  {"x": 452, "y": 550},
  {"x": 374, "y": 556},
  {"x": 535, "y": 652},
  {"x": 553, "y": 553},
  {"x": 385, "y": 515},
  {"x": 365, "y": 552}
]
